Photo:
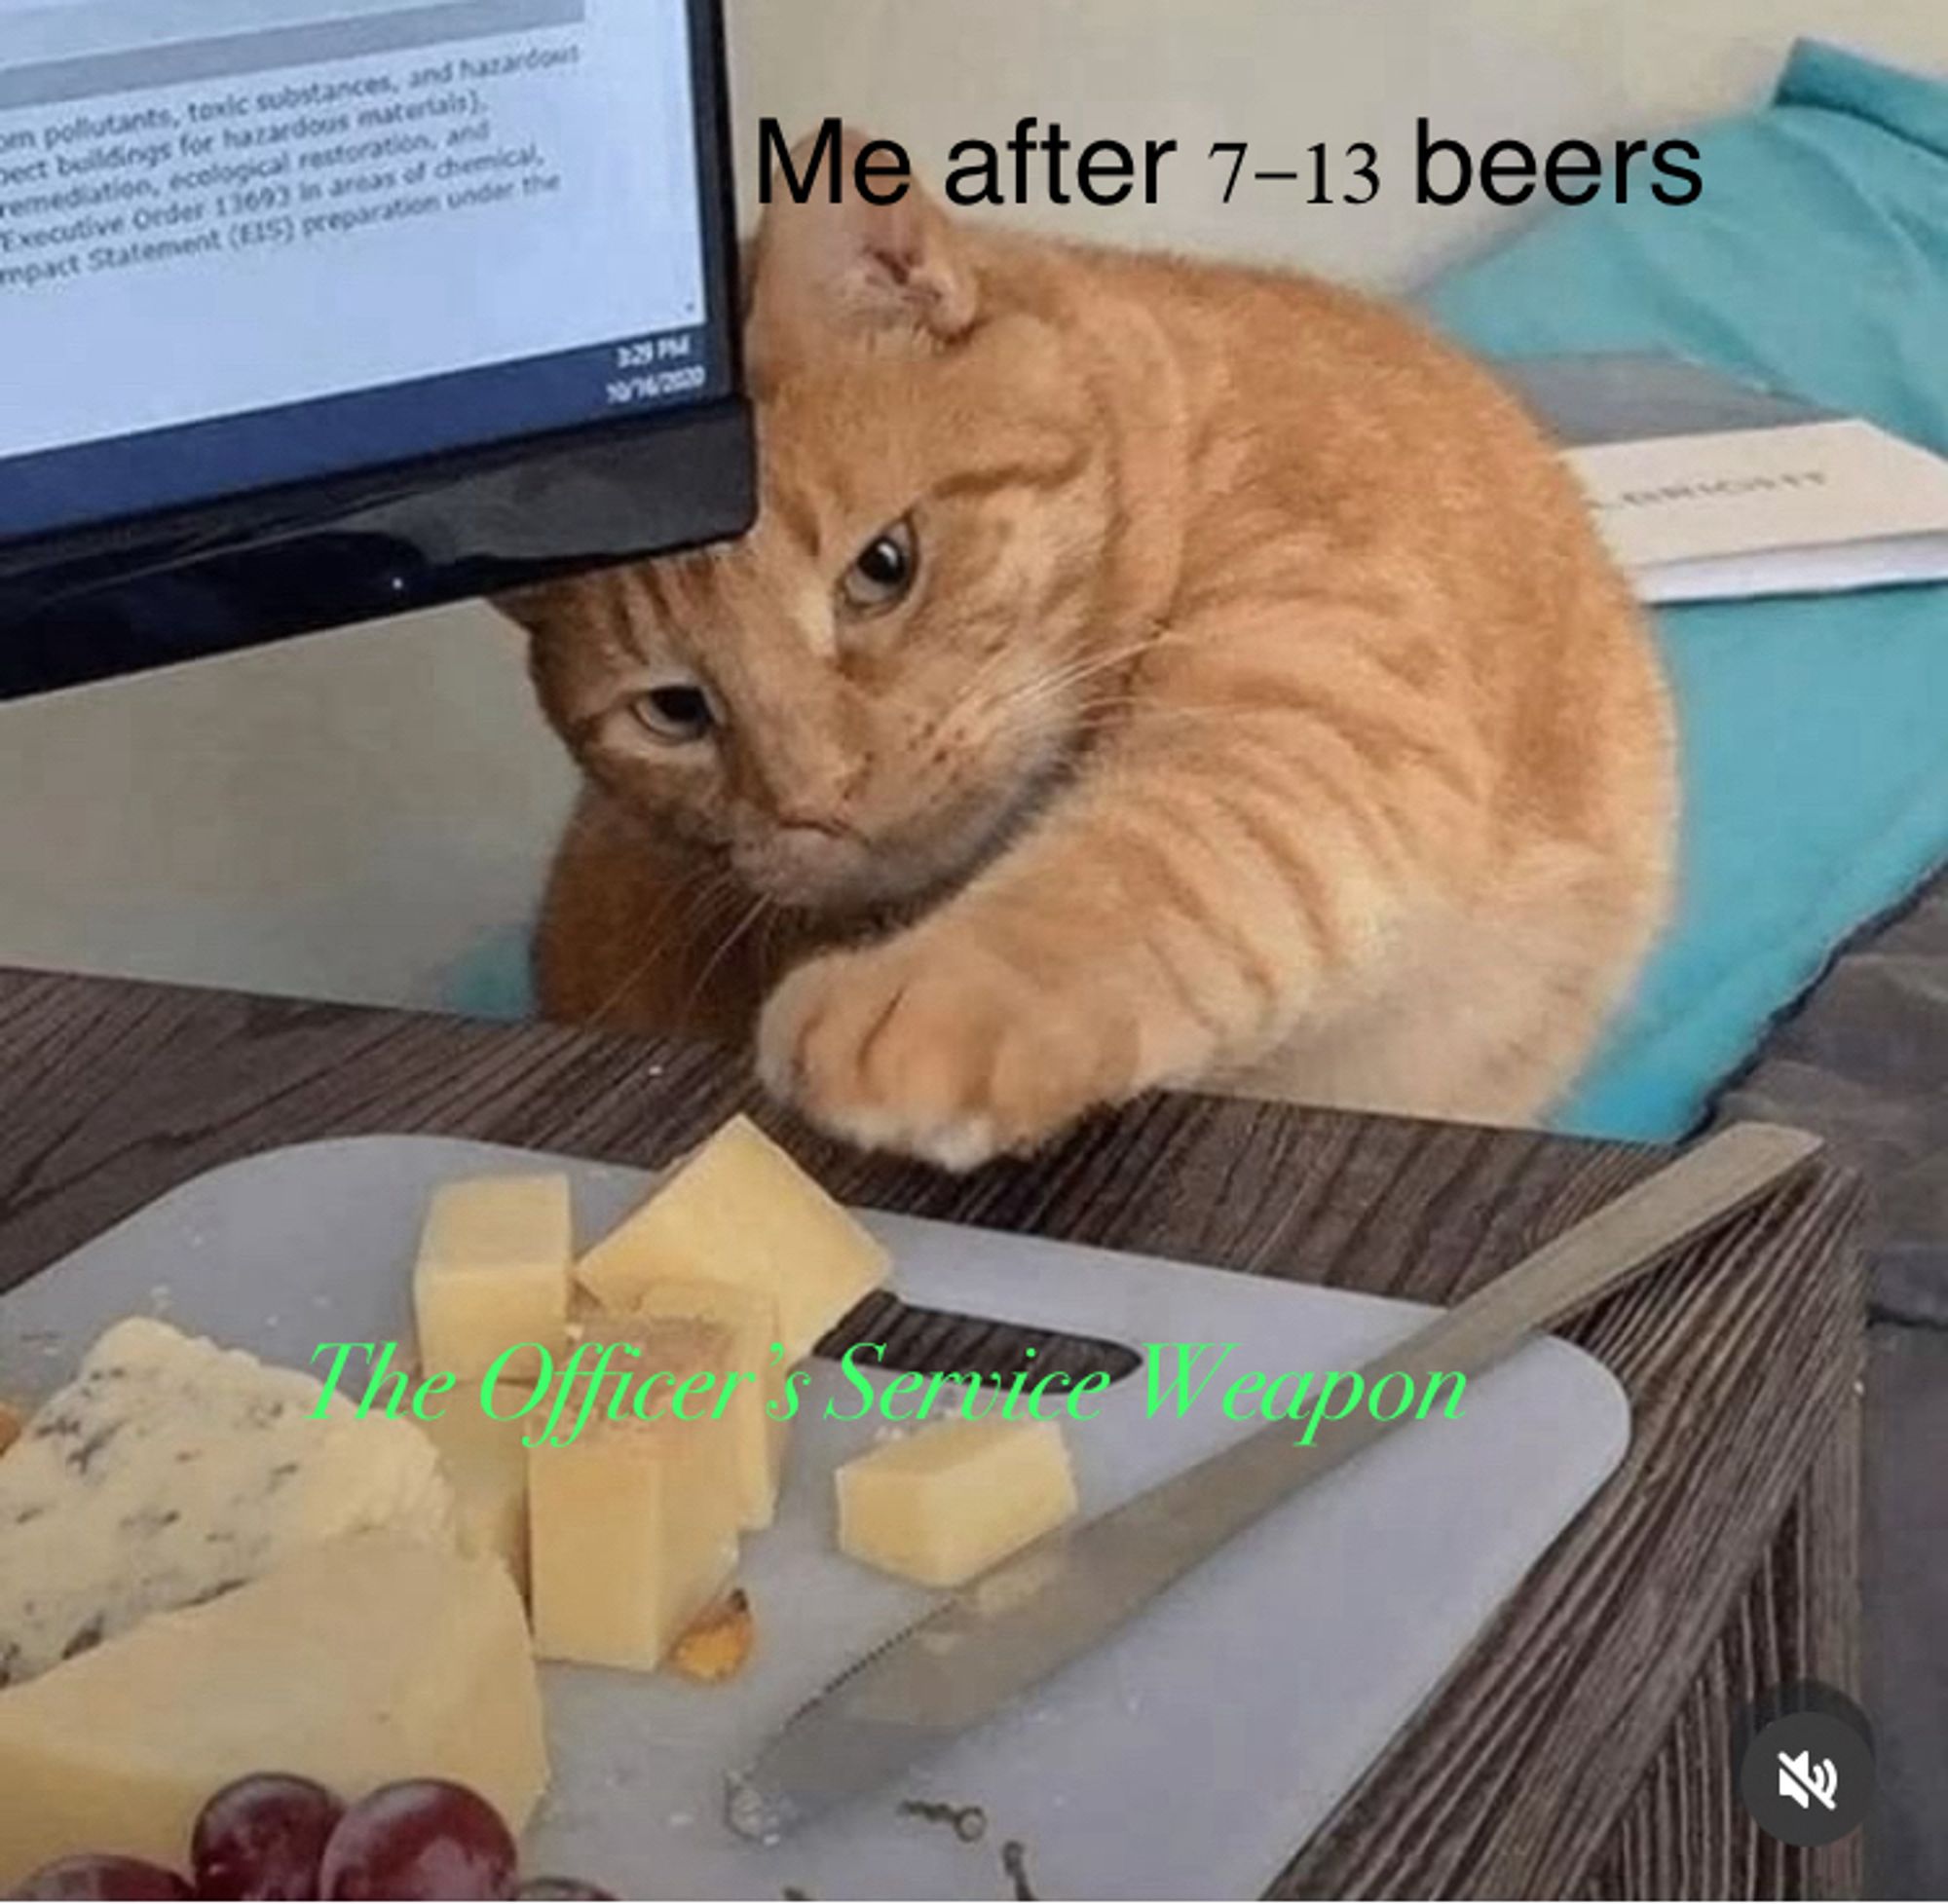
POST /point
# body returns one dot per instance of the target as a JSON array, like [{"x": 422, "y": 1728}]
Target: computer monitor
[{"x": 317, "y": 309}]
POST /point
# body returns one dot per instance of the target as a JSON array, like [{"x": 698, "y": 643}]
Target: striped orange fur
[{"x": 1246, "y": 702}]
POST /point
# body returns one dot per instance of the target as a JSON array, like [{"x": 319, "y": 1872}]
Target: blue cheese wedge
[{"x": 169, "y": 1472}]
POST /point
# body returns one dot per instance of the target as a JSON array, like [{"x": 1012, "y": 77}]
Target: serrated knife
[{"x": 1007, "y": 1631}]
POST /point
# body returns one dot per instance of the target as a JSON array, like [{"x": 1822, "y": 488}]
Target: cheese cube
[
  {"x": 754, "y": 1408},
  {"x": 493, "y": 1275},
  {"x": 486, "y": 1464},
  {"x": 632, "y": 1526},
  {"x": 364, "y": 1660},
  {"x": 955, "y": 1498},
  {"x": 740, "y": 1211},
  {"x": 169, "y": 1469}
]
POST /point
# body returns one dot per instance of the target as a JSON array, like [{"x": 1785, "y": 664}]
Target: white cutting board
[{"x": 1189, "y": 1757}]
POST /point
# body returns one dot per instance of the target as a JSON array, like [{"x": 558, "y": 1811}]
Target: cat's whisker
[
  {"x": 768, "y": 939},
  {"x": 696, "y": 905},
  {"x": 1039, "y": 691},
  {"x": 1064, "y": 675},
  {"x": 1058, "y": 694},
  {"x": 977, "y": 690},
  {"x": 1087, "y": 667},
  {"x": 1056, "y": 684},
  {"x": 1095, "y": 718},
  {"x": 759, "y": 909}
]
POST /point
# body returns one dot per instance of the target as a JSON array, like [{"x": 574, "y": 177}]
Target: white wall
[
  {"x": 350, "y": 815},
  {"x": 1285, "y": 74},
  {"x": 342, "y": 817}
]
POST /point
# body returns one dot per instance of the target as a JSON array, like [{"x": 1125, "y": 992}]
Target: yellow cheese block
[
  {"x": 740, "y": 1211},
  {"x": 632, "y": 1526},
  {"x": 753, "y": 1409},
  {"x": 367, "y": 1660},
  {"x": 493, "y": 1274},
  {"x": 486, "y": 1464},
  {"x": 955, "y": 1498}
]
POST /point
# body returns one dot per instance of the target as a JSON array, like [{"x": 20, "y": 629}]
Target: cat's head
[{"x": 858, "y": 702}]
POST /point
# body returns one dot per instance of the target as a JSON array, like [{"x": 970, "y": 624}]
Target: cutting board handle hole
[{"x": 937, "y": 1342}]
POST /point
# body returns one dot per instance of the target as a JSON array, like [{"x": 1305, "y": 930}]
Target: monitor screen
[{"x": 310, "y": 276}]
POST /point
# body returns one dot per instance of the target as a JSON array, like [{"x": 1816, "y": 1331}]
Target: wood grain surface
[{"x": 1582, "y": 1749}]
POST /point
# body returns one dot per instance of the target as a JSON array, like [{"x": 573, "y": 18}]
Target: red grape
[
  {"x": 423, "y": 1839},
  {"x": 548, "y": 1890},
  {"x": 263, "y": 1838},
  {"x": 86, "y": 1878}
]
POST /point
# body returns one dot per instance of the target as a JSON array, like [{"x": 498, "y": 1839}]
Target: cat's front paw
[{"x": 939, "y": 1048}]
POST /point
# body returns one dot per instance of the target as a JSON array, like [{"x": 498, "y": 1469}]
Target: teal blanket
[{"x": 1816, "y": 731}]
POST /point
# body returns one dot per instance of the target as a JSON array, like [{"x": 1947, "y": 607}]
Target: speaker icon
[
  {"x": 1805, "y": 1768},
  {"x": 1803, "y": 1779}
]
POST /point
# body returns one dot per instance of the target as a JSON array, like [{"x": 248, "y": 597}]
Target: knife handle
[
  {"x": 1613, "y": 1247},
  {"x": 1604, "y": 1253}
]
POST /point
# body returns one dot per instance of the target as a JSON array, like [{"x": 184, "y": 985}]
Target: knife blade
[{"x": 1006, "y": 1632}]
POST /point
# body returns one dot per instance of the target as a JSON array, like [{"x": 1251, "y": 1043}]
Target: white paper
[{"x": 1811, "y": 508}]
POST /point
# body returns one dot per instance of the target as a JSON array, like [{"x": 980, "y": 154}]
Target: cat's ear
[
  {"x": 530, "y": 608},
  {"x": 823, "y": 271}
]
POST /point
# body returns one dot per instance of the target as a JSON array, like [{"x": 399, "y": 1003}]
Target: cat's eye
[
  {"x": 885, "y": 571},
  {"x": 676, "y": 714}
]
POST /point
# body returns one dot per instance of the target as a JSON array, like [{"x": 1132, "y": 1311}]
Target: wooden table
[{"x": 1581, "y": 1749}]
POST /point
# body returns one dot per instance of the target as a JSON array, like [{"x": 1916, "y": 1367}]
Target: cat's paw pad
[{"x": 938, "y": 1051}]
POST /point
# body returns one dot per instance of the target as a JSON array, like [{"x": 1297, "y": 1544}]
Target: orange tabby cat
[{"x": 1144, "y": 674}]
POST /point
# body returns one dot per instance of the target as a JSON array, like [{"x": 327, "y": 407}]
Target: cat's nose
[
  {"x": 803, "y": 865},
  {"x": 817, "y": 792},
  {"x": 805, "y": 823}
]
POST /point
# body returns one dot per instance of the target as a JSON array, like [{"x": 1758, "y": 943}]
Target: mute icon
[
  {"x": 1803, "y": 1780},
  {"x": 1805, "y": 1766}
]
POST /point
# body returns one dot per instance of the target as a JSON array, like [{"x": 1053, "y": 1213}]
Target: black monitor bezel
[{"x": 81, "y": 605}]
